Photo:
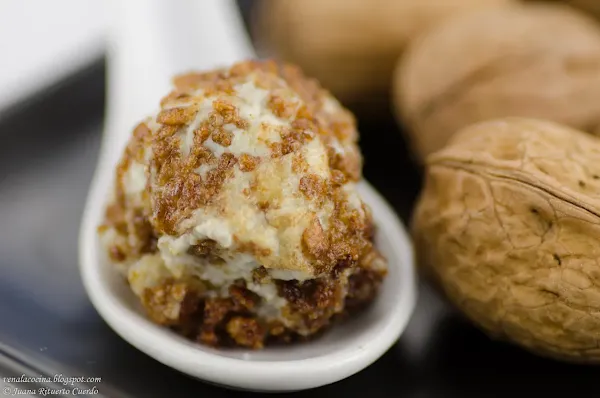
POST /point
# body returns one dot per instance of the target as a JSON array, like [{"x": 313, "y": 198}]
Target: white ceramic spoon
[{"x": 149, "y": 42}]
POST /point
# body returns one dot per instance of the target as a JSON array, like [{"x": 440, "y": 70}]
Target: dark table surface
[{"x": 48, "y": 152}]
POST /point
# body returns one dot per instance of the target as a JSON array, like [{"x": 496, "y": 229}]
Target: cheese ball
[
  {"x": 351, "y": 46},
  {"x": 235, "y": 216},
  {"x": 533, "y": 60}
]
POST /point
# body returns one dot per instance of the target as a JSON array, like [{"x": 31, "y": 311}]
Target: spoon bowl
[{"x": 342, "y": 351}]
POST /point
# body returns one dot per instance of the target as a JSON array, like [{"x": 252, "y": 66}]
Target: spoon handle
[{"x": 149, "y": 41}]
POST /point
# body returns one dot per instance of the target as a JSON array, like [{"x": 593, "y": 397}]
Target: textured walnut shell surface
[
  {"x": 351, "y": 46},
  {"x": 508, "y": 225},
  {"x": 532, "y": 60}
]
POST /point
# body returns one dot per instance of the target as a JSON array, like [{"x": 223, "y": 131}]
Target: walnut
[
  {"x": 590, "y": 6},
  {"x": 508, "y": 226},
  {"x": 350, "y": 45},
  {"x": 533, "y": 60}
]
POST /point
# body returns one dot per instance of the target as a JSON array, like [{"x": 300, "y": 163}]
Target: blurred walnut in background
[
  {"x": 351, "y": 46},
  {"x": 538, "y": 60},
  {"x": 590, "y": 6}
]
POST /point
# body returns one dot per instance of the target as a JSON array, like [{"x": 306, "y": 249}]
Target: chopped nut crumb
[
  {"x": 246, "y": 332},
  {"x": 248, "y": 162},
  {"x": 314, "y": 239},
  {"x": 175, "y": 116},
  {"x": 170, "y": 303},
  {"x": 313, "y": 187},
  {"x": 222, "y": 137},
  {"x": 280, "y": 107},
  {"x": 202, "y": 248}
]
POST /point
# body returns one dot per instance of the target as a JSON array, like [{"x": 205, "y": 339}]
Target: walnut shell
[
  {"x": 531, "y": 60},
  {"x": 590, "y": 6},
  {"x": 350, "y": 46},
  {"x": 508, "y": 225}
]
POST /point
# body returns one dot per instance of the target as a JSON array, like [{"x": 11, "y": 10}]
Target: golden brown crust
[{"x": 184, "y": 190}]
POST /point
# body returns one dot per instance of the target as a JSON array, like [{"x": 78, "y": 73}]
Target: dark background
[{"x": 47, "y": 156}]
